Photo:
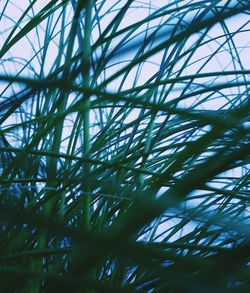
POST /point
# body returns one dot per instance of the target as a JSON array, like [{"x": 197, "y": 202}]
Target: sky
[{"x": 30, "y": 47}]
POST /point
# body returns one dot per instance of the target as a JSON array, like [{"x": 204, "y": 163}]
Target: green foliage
[{"x": 124, "y": 146}]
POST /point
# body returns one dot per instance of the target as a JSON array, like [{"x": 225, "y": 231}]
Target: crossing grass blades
[{"x": 124, "y": 146}]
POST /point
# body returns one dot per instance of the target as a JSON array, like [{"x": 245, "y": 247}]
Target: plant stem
[{"x": 86, "y": 115}]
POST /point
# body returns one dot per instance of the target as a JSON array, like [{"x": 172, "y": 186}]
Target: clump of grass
[{"x": 124, "y": 146}]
